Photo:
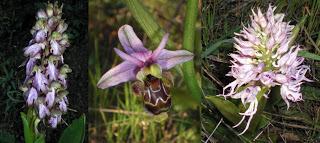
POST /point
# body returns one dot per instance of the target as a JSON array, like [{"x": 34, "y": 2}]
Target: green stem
[
  {"x": 30, "y": 123},
  {"x": 296, "y": 30},
  {"x": 146, "y": 21},
  {"x": 188, "y": 44}
]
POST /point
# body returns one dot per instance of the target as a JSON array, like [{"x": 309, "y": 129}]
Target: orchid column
[
  {"x": 45, "y": 86},
  {"x": 263, "y": 60}
]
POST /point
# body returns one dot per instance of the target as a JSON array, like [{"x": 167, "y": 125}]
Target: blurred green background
[
  {"x": 115, "y": 114},
  {"x": 220, "y": 19}
]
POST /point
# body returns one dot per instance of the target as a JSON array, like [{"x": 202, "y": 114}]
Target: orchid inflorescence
[
  {"x": 139, "y": 62},
  {"x": 265, "y": 59},
  {"x": 45, "y": 85}
]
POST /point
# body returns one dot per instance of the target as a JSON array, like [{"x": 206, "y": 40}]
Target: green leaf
[
  {"x": 215, "y": 46},
  {"x": 226, "y": 108},
  {"x": 40, "y": 139},
  {"x": 28, "y": 134},
  {"x": 146, "y": 21},
  {"x": 75, "y": 132},
  {"x": 208, "y": 87},
  {"x": 309, "y": 55},
  {"x": 223, "y": 133},
  {"x": 263, "y": 122},
  {"x": 318, "y": 40},
  {"x": 296, "y": 30},
  {"x": 230, "y": 111},
  {"x": 274, "y": 97},
  {"x": 310, "y": 93},
  {"x": 181, "y": 101}
]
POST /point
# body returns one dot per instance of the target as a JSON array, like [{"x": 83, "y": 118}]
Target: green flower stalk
[{"x": 45, "y": 85}]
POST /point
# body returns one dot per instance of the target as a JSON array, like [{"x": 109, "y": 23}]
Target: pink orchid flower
[
  {"x": 264, "y": 58},
  {"x": 136, "y": 57}
]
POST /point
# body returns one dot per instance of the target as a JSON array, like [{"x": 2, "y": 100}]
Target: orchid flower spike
[
  {"x": 265, "y": 59},
  {"x": 45, "y": 87},
  {"x": 139, "y": 62}
]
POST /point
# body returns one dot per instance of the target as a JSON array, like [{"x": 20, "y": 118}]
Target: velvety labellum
[{"x": 156, "y": 95}]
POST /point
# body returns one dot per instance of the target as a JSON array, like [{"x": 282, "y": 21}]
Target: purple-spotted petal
[
  {"x": 245, "y": 51},
  {"x": 123, "y": 72},
  {"x": 43, "y": 111},
  {"x": 293, "y": 56},
  {"x": 40, "y": 82},
  {"x": 32, "y": 96},
  {"x": 56, "y": 48},
  {"x": 128, "y": 58},
  {"x": 281, "y": 78},
  {"x": 29, "y": 66},
  {"x": 129, "y": 40},
  {"x": 52, "y": 22},
  {"x": 62, "y": 27},
  {"x": 63, "y": 106},
  {"x": 242, "y": 43},
  {"x": 282, "y": 61},
  {"x": 288, "y": 94},
  {"x": 65, "y": 99},
  {"x": 63, "y": 81},
  {"x": 41, "y": 14},
  {"x": 41, "y": 36},
  {"x": 52, "y": 71},
  {"x": 53, "y": 121},
  {"x": 261, "y": 19},
  {"x": 283, "y": 48},
  {"x": 168, "y": 59},
  {"x": 33, "y": 49},
  {"x": 267, "y": 78},
  {"x": 161, "y": 46},
  {"x": 50, "y": 98},
  {"x": 241, "y": 59}
]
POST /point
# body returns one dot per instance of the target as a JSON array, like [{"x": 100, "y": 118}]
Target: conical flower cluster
[
  {"x": 45, "y": 86},
  {"x": 265, "y": 59}
]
